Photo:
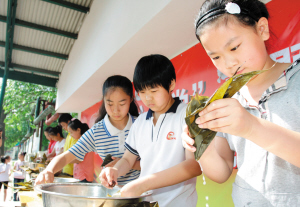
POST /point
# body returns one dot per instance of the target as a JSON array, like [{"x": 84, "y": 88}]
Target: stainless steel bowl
[
  {"x": 83, "y": 194},
  {"x": 65, "y": 180}
]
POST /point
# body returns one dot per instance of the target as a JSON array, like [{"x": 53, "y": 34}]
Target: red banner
[{"x": 196, "y": 74}]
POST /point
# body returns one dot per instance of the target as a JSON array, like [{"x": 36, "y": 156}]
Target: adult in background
[{"x": 64, "y": 120}]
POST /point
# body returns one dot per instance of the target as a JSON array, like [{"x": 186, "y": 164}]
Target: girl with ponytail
[
  {"x": 83, "y": 170},
  {"x": 108, "y": 135}
]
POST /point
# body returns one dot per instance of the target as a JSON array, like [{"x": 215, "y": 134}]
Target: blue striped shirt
[{"x": 104, "y": 139}]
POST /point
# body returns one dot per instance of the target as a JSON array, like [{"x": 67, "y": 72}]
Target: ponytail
[
  {"x": 74, "y": 124},
  {"x": 3, "y": 159},
  {"x": 22, "y": 153}
]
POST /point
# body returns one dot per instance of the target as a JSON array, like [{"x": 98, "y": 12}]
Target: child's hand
[
  {"x": 108, "y": 177},
  {"x": 133, "y": 189},
  {"x": 112, "y": 163},
  {"x": 187, "y": 141},
  {"x": 44, "y": 177},
  {"x": 228, "y": 116}
]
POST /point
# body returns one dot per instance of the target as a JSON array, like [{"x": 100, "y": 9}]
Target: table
[{"x": 30, "y": 199}]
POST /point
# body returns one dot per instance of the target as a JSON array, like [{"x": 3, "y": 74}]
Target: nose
[
  {"x": 148, "y": 97},
  {"x": 115, "y": 109},
  {"x": 230, "y": 62}
]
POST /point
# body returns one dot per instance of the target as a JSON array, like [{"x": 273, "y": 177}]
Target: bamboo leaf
[{"x": 203, "y": 137}]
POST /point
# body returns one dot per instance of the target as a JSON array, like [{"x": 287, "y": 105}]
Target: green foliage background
[{"x": 20, "y": 98}]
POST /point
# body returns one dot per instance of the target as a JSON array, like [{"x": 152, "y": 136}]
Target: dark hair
[
  {"x": 254, "y": 10},
  {"x": 75, "y": 124},
  {"x": 22, "y": 153},
  {"x": 117, "y": 81},
  {"x": 55, "y": 130},
  {"x": 3, "y": 158},
  {"x": 152, "y": 71},
  {"x": 47, "y": 129},
  {"x": 64, "y": 118}
]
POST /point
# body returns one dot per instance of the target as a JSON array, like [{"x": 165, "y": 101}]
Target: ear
[
  {"x": 262, "y": 28},
  {"x": 172, "y": 85}
]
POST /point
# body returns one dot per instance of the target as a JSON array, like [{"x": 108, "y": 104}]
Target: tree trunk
[{"x": 2, "y": 126}]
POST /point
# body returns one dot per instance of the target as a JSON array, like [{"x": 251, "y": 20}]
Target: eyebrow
[
  {"x": 112, "y": 101},
  {"x": 226, "y": 45}
]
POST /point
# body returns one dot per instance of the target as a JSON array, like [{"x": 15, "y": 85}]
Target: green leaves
[
  {"x": 20, "y": 98},
  {"x": 203, "y": 137}
]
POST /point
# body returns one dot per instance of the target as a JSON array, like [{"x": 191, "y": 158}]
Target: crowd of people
[
  {"x": 233, "y": 33},
  {"x": 6, "y": 169},
  {"x": 58, "y": 144}
]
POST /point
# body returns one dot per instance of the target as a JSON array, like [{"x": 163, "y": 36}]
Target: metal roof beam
[
  {"x": 37, "y": 51},
  {"x": 31, "y": 25},
  {"x": 10, "y": 26},
  {"x": 31, "y": 69},
  {"x": 69, "y": 5},
  {"x": 30, "y": 78}
]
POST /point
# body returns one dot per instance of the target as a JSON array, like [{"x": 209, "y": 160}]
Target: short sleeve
[
  {"x": 73, "y": 141},
  {"x": 56, "y": 145},
  {"x": 228, "y": 137},
  {"x": 7, "y": 168},
  {"x": 182, "y": 116},
  {"x": 130, "y": 143},
  {"x": 221, "y": 134},
  {"x": 84, "y": 145}
]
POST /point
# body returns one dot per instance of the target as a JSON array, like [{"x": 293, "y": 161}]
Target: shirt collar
[
  {"x": 280, "y": 84},
  {"x": 111, "y": 130},
  {"x": 172, "y": 109}
]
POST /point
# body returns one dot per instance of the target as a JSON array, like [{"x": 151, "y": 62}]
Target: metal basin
[
  {"x": 65, "y": 180},
  {"x": 83, "y": 194}
]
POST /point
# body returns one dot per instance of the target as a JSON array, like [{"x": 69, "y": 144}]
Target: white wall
[{"x": 115, "y": 34}]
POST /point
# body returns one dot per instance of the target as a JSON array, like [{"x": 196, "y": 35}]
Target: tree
[{"x": 20, "y": 98}]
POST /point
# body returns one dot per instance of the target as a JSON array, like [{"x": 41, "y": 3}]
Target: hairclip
[
  {"x": 230, "y": 8},
  {"x": 73, "y": 119}
]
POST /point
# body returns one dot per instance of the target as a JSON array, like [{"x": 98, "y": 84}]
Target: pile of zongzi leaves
[
  {"x": 23, "y": 186},
  {"x": 203, "y": 137},
  {"x": 44, "y": 158},
  {"x": 32, "y": 158}
]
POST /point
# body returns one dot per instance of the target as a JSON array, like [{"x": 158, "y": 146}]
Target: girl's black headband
[{"x": 230, "y": 8}]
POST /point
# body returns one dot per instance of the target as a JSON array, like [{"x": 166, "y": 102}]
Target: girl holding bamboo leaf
[{"x": 261, "y": 122}]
